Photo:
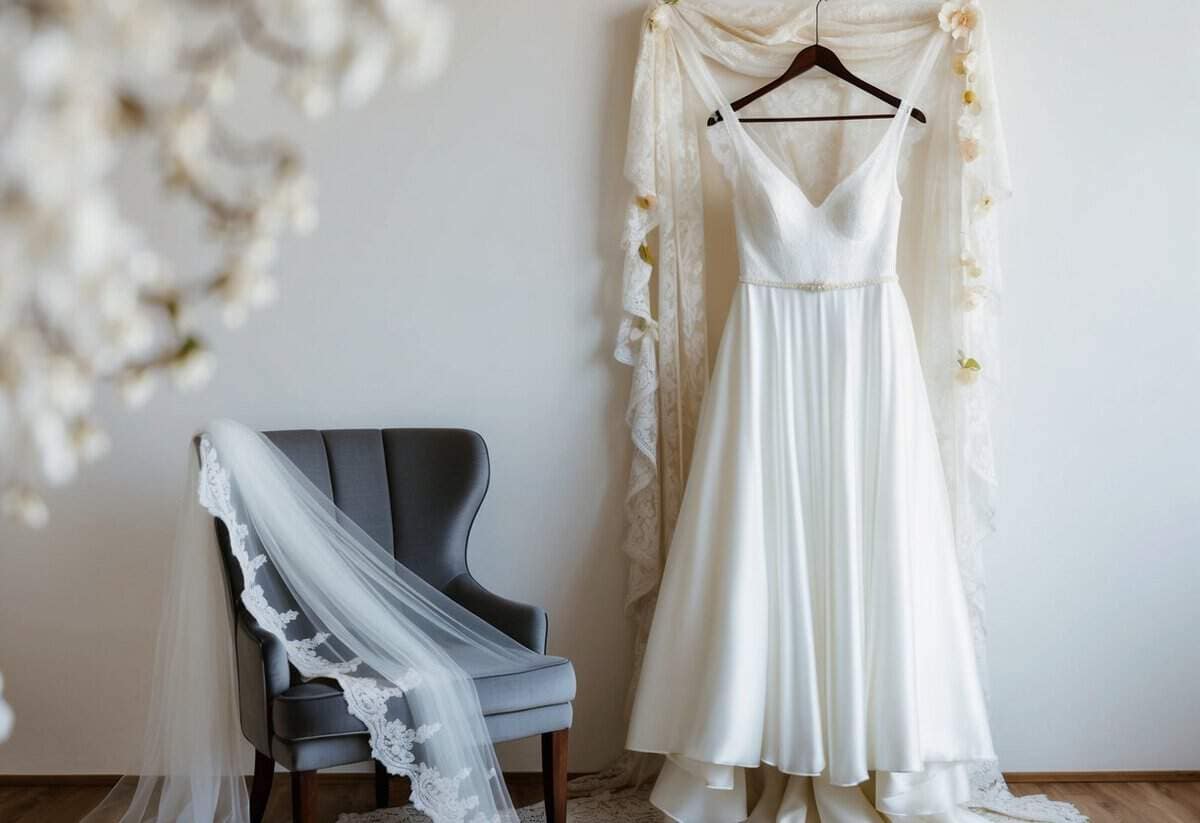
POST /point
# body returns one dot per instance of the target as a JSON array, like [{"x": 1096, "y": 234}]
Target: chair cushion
[{"x": 317, "y": 709}]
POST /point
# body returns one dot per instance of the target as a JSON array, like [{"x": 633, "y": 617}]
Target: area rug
[{"x": 625, "y": 806}]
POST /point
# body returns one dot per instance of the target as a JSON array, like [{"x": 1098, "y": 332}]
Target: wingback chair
[{"x": 416, "y": 492}]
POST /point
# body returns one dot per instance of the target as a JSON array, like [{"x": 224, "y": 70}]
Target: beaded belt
[{"x": 819, "y": 285}]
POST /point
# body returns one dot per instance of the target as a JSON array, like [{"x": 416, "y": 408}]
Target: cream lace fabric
[{"x": 955, "y": 172}]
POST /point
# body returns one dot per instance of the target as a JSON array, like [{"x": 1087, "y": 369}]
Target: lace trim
[
  {"x": 818, "y": 285},
  {"x": 367, "y": 697}
]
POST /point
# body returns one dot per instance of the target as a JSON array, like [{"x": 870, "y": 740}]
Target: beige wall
[{"x": 466, "y": 274}]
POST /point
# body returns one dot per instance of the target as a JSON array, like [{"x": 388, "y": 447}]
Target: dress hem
[{"x": 954, "y": 761}]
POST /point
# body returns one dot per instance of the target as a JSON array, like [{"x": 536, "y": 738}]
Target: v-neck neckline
[{"x": 787, "y": 178}]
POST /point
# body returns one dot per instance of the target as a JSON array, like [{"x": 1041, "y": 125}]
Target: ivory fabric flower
[
  {"x": 964, "y": 64},
  {"x": 970, "y": 266},
  {"x": 968, "y": 369},
  {"x": 983, "y": 206},
  {"x": 960, "y": 18},
  {"x": 974, "y": 297},
  {"x": 970, "y": 135},
  {"x": 660, "y": 18},
  {"x": 970, "y": 148},
  {"x": 970, "y": 100}
]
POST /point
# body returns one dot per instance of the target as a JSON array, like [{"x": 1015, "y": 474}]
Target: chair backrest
[{"x": 414, "y": 491}]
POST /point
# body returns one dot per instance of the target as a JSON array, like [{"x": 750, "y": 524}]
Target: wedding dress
[{"x": 811, "y": 624}]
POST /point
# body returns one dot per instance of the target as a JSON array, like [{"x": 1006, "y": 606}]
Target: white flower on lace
[
  {"x": 974, "y": 297},
  {"x": 970, "y": 266},
  {"x": 970, "y": 101},
  {"x": 970, "y": 134},
  {"x": 960, "y": 18},
  {"x": 970, "y": 148},
  {"x": 964, "y": 64},
  {"x": 969, "y": 369},
  {"x": 984, "y": 205},
  {"x": 660, "y": 18}
]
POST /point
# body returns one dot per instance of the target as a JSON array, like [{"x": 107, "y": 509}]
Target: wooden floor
[{"x": 1102, "y": 802}]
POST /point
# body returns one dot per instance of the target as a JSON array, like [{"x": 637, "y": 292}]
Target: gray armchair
[{"x": 416, "y": 492}]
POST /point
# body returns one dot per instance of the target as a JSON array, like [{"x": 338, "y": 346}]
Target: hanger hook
[{"x": 817, "y": 22}]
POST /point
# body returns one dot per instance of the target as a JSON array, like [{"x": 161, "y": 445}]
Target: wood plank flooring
[{"x": 1126, "y": 802}]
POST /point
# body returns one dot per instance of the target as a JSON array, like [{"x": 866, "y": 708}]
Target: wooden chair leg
[
  {"x": 304, "y": 797},
  {"x": 260, "y": 789},
  {"x": 404, "y": 795},
  {"x": 383, "y": 786},
  {"x": 554, "y": 775}
]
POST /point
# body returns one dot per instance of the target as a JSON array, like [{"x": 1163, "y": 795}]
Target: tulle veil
[{"x": 344, "y": 609}]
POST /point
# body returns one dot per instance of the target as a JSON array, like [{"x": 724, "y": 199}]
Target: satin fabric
[{"x": 811, "y": 620}]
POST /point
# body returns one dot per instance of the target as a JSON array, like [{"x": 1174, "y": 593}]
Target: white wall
[
  {"x": 465, "y": 275},
  {"x": 1095, "y": 573}
]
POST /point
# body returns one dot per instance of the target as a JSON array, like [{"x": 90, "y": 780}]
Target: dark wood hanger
[{"x": 822, "y": 57}]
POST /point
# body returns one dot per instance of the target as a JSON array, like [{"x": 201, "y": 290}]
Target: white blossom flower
[
  {"x": 136, "y": 387},
  {"x": 960, "y": 18},
  {"x": 68, "y": 388},
  {"x": 364, "y": 68},
  {"x": 422, "y": 40},
  {"x": 246, "y": 288},
  {"x": 91, "y": 442},
  {"x": 55, "y": 447},
  {"x": 192, "y": 367},
  {"x": 968, "y": 369},
  {"x": 83, "y": 298},
  {"x": 983, "y": 206},
  {"x": 310, "y": 91},
  {"x": 964, "y": 64},
  {"x": 28, "y": 507}
]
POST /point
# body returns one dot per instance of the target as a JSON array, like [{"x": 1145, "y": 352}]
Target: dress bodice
[{"x": 784, "y": 238}]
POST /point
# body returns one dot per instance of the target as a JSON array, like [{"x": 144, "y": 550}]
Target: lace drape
[{"x": 342, "y": 608}]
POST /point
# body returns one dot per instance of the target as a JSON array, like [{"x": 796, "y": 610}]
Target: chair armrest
[
  {"x": 526, "y": 624},
  {"x": 263, "y": 673}
]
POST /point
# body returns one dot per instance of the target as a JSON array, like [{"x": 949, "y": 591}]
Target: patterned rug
[{"x": 626, "y": 806}]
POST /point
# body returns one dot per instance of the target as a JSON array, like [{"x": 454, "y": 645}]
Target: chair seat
[{"x": 318, "y": 709}]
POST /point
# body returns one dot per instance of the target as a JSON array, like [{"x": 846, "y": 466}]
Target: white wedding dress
[{"x": 811, "y": 624}]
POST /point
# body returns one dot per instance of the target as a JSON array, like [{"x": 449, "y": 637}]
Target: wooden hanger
[{"x": 816, "y": 55}]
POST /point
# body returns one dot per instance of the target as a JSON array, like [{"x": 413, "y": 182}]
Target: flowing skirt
[{"x": 811, "y": 619}]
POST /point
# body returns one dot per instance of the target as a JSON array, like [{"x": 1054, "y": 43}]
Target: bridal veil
[{"x": 344, "y": 609}]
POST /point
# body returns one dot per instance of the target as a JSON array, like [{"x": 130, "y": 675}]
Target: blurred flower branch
[{"x": 86, "y": 298}]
